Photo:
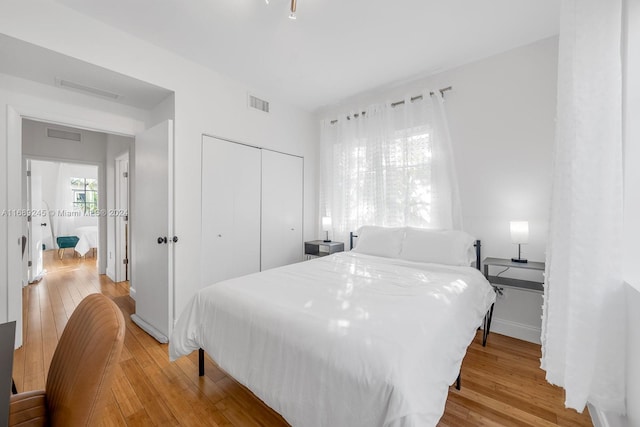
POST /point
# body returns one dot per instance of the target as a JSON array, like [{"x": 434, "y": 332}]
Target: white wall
[
  {"x": 501, "y": 115},
  {"x": 631, "y": 103},
  {"x": 165, "y": 110},
  {"x": 205, "y": 102}
]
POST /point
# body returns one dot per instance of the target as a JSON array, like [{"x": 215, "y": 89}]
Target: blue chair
[{"x": 65, "y": 242}]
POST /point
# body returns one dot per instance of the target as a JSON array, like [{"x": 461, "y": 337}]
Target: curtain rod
[{"x": 395, "y": 104}]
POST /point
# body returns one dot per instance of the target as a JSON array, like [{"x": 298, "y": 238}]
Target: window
[
  {"x": 85, "y": 195},
  {"x": 391, "y": 182},
  {"x": 392, "y": 166}
]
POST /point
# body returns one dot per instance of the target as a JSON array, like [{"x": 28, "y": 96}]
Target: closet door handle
[
  {"x": 175, "y": 239},
  {"x": 162, "y": 240}
]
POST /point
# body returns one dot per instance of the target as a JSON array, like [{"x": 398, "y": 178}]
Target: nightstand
[
  {"x": 498, "y": 281},
  {"x": 317, "y": 248}
]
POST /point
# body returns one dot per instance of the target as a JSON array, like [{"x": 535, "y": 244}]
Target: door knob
[
  {"x": 162, "y": 240},
  {"x": 43, "y": 224}
]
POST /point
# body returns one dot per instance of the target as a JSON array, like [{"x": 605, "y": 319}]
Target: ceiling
[{"x": 336, "y": 48}]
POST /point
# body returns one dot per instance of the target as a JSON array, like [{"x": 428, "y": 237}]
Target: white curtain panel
[
  {"x": 583, "y": 330},
  {"x": 391, "y": 166}
]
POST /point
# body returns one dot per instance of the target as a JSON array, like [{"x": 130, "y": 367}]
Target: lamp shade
[
  {"x": 326, "y": 223},
  {"x": 519, "y": 231}
]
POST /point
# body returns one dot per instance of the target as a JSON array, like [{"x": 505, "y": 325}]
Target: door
[
  {"x": 122, "y": 218},
  {"x": 230, "y": 210},
  {"x": 282, "y": 204},
  {"x": 152, "y": 230},
  {"x": 36, "y": 219}
]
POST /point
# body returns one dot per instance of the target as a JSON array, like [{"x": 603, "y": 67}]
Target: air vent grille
[
  {"x": 258, "y": 104},
  {"x": 63, "y": 134},
  {"x": 87, "y": 89}
]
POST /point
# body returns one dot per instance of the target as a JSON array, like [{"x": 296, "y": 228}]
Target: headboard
[{"x": 477, "y": 245}]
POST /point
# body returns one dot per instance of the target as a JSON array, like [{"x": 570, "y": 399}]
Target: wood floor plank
[
  {"x": 49, "y": 333},
  {"x": 112, "y": 416},
  {"x": 124, "y": 395},
  {"x": 154, "y": 406},
  {"x": 502, "y": 384},
  {"x": 34, "y": 374}
]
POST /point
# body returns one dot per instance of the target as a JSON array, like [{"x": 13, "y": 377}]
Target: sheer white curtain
[
  {"x": 390, "y": 166},
  {"x": 583, "y": 335}
]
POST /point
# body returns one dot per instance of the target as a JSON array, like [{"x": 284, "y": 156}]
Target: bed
[
  {"x": 370, "y": 337},
  {"x": 87, "y": 239}
]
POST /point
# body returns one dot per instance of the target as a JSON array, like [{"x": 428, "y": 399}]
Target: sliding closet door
[
  {"x": 230, "y": 210},
  {"x": 282, "y": 186}
]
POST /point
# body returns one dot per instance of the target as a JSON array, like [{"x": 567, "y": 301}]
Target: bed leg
[
  {"x": 200, "y": 362},
  {"x": 459, "y": 382},
  {"x": 487, "y": 326}
]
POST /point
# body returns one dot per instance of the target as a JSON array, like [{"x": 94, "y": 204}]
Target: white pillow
[
  {"x": 379, "y": 241},
  {"x": 451, "y": 247}
]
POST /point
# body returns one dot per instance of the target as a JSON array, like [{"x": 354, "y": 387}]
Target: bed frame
[
  {"x": 477, "y": 245},
  {"x": 486, "y": 322}
]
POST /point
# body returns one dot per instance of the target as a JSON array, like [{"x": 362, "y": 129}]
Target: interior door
[
  {"x": 122, "y": 218},
  {"x": 230, "y": 210},
  {"x": 35, "y": 222},
  {"x": 282, "y": 204},
  {"x": 152, "y": 230}
]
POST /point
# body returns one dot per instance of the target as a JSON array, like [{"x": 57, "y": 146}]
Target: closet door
[
  {"x": 230, "y": 210},
  {"x": 282, "y": 193}
]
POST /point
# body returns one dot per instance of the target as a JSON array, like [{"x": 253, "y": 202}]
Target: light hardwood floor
[{"x": 502, "y": 384}]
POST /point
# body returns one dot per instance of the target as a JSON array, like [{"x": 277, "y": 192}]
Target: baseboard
[
  {"x": 132, "y": 293},
  {"x": 516, "y": 330},
  {"x": 159, "y": 336},
  {"x": 604, "y": 419}
]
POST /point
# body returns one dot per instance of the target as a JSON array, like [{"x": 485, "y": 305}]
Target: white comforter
[
  {"x": 345, "y": 340},
  {"x": 87, "y": 238}
]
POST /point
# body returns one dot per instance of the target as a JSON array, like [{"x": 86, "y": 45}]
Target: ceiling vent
[
  {"x": 63, "y": 134},
  {"x": 87, "y": 89},
  {"x": 258, "y": 104}
]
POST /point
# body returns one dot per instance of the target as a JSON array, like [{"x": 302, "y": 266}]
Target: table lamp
[
  {"x": 520, "y": 236},
  {"x": 326, "y": 226}
]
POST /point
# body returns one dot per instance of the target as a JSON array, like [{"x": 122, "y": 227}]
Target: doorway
[
  {"x": 151, "y": 269},
  {"x": 77, "y": 167},
  {"x": 62, "y": 205}
]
